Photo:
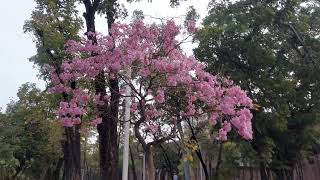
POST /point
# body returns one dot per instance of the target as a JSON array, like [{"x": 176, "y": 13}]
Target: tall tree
[
  {"x": 272, "y": 49},
  {"x": 53, "y": 22},
  {"x": 108, "y": 134},
  {"x": 165, "y": 93}
]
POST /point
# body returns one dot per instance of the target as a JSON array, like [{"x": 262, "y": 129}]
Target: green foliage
[
  {"x": 167, "y": 158},
  {"x": 271, "y": 48},
  {"x": 30, "y": 138},
  {"x": 52, "y": 23}
]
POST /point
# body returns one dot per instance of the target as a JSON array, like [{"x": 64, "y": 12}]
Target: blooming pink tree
[{"x": 168, "y": 87}]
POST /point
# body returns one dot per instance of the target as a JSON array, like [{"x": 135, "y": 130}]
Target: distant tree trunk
[
  {"x": 150, "y": 169},
  {"x": 56, "y": 172},
  {"x": 108, "y": 136},
  {"x": 133, "y": 165},
  {"x": 19, "y": 170},
  {"x": 219, "y": 162},
  {"x": 167, "y": 160},
  {"x": 251, "y": 173},
  {"x": 284, "y": 174},
  {"x": 203, "y": 164},
  {"x": 198, "y": 152},
  {"x": 44, "y": 174},
  {"x": 186, "y": 166},
  {"x": 263, "y": 172}
]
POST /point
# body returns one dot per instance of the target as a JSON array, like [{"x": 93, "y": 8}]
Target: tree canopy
[{"x": 271, "y": 48}]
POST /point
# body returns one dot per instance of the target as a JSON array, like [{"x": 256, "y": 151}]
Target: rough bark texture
[
  {"x": 150, "y": 169},
  {"x": 56, "y": 172},
  {"x": 71, "y": 150},
  {"x": 72, "y": 168},
  {"x": 108, "y": 136}
]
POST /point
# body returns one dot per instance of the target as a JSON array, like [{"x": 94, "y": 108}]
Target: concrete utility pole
[{"x": 126, "y": 129}]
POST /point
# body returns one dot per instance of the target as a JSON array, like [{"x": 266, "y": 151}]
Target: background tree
[
  {"x": 271, "y": 48},
  {"x": 52, "y": 23},
  {"x": 31, "y": 147}
]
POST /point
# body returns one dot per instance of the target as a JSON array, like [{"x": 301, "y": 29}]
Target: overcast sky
[{"x": 16, "y": 47}]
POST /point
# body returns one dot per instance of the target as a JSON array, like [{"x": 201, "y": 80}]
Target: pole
[{"x": 126, "y": 129}]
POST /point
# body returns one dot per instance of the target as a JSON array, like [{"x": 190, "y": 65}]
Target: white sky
[{"x": 16, "y": 47}]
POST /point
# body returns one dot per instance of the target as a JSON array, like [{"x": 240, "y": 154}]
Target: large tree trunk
[
  {"x": 108, "y": 135},
  {"x": 72, "y": 152},
  {"x": 150, "y": 169},
  {"x": 72, "y": 167}
]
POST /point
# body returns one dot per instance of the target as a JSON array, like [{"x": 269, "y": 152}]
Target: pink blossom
[
  {"x": 178, "y": 83},
  {"x": 76, "y": 121},
  {"x": 226, "y": 126},
  {"x": 67, "y": 122},
  {"x": 172, "y": 81},
  {"x": 144, "y": 72},
  {"x": 213, "y": 118},
  {"x": 152, "y": 128},
  {"x": 222, "y": 135},
  {"x": 96, "y": 121},
  {"x": 160, "y": 96},
  {"x": 99, "y": 100}
]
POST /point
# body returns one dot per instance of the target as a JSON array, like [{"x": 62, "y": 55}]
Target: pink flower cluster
[
  {"x": 167, "y": 84},
  {"x": 70, "y": 114},
  {"x": 96, "y": 121}
]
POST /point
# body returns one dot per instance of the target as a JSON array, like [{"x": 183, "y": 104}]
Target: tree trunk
[
  {"x": 198, "y": 152},
  {"x": 284, "y": 174},
  {"x": 186, "y": 165},
  {"x": 219, "y": 161},
  {"x": 108, "y": 136},
  {"x": 167, "y": 161},
  {"x": 133, "y": 165},
  {"x": 263, "y": 172},
  {"x": 56, "y": 172},
  {"x": 44, "y": 174},
  {"x": 72, "y": 167},
  {"x": 150, "y": 169}
]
